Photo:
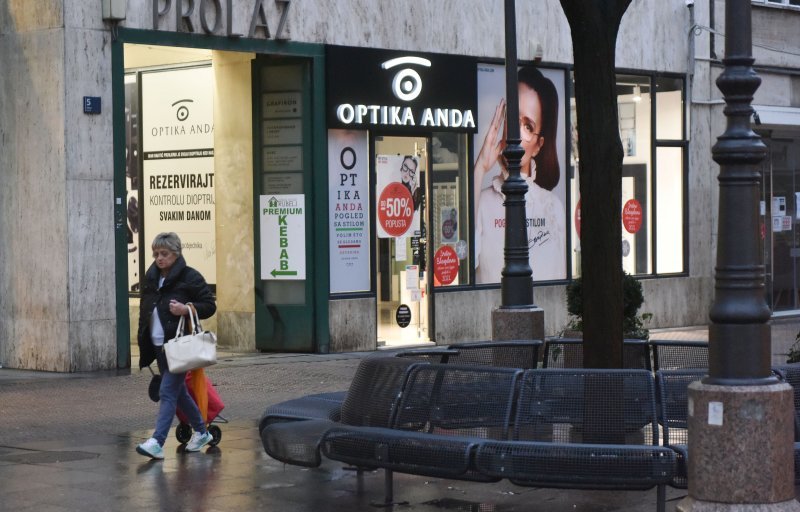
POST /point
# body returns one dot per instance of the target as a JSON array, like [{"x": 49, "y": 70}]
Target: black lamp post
[
  {"x": 739, "y": 403},
  {"x": 516, "y": 282},
  {"x": 739, "y": 336}
]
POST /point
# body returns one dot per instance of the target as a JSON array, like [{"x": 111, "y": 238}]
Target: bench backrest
[
  {"x": 505, "y": 354},
  {"x": 790, "y": 373},
  {"x": 675, "y": 354},
  {"x": 457, "y": 400},
  {"x": 568, "y": 353},
  {"x": 375, "y": 387},
  {"x": 580, "y": 405},
  {"x": 673, "y": 391},
  {"x": 428, "y": 355}
]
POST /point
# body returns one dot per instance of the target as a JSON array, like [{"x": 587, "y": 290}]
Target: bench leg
[
  {"x": 388, "y": 491},
  {"x": 661, "y": 497},
  {"x": 359, "y": 477}
]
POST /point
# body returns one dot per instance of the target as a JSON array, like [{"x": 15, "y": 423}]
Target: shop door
[
  {"x": 285, "y": 255},
  {"x": 780, "y": 214},
  {"x": 401, "y": 165}
]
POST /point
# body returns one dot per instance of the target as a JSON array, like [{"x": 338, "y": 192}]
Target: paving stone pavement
[{"x": 68, "y": 444}]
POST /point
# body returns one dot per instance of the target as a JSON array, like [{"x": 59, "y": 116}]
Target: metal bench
[
  {"x": 430, "y": 355},
  {"x": 504, "y": 354},
  {"x": 444, "y": 410},
  {"x": 675, "y": 354},
  {"x": 790, "y": 373},
  {"x": 369, "y": 400},
  {"x": 673, "y": 391},
  {"x": 326, "y": 406},
  {"x": 583, "y": 429},
  {"x": 568, "y": 353}
]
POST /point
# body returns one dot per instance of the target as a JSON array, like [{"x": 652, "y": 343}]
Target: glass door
[
  {"x": 780, "y": 214},
  {"x": 401, "y": 165}
]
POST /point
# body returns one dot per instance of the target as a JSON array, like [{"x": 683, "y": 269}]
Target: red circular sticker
[
  {"x": 578, "y": 218},
  {"x": 632, "y": 216},
  {"x": 445, "y": 265},
  {"x": 395, "y": 209}
]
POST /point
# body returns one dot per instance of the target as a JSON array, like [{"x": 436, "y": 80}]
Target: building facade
[{"x": 332, "y": 170}]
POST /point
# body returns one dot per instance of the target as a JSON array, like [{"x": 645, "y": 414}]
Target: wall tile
[
  {"x": 87, "y": 68},
  {"x": 91, "y": 250}
]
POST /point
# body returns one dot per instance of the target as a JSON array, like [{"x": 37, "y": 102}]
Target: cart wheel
[
  {"x": 183, "y": 432},
  {"x": 216, "y": 433}
]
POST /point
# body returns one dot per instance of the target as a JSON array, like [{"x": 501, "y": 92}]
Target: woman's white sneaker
[
  {"x": 198, "y": 441},
  {"x": 151, "y": 448}
]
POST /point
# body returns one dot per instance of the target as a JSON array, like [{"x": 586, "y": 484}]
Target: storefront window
[
  {"x": 541, "y": 108},
  {"x": 653, "y": 201},
  {"x": 669, "y": 219},
  {"x": 450, "y": 208}
]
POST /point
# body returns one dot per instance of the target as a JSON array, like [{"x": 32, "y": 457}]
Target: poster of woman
[
  {"x": 541, "y": 120},
  {"x": 398, "y": 195}
]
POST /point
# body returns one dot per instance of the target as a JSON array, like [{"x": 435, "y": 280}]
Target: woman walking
[{"x": 168, "y": 287}]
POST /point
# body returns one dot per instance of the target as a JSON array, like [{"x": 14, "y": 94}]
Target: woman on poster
[{"x": 544, "y": 212}]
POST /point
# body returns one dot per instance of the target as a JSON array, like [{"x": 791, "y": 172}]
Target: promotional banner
[
  {"x": 348, "y": 202},
  {"x": 178, "y": 162},
  {"x": 542, "y": 134},
  {"x": 132, "y": 163},
  {"x": 283, "y": 236},
  {"x": 398, "y": 195}
]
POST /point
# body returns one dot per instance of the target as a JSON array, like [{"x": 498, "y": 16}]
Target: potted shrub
[{"x": 633, "y": 324}]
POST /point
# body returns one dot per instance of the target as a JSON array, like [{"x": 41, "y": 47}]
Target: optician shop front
[
  {"x": 341, "y": 203},
  {"x": 346, "y": 198}
]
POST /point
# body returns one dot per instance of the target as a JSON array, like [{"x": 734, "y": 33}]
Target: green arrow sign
[{"x": 283, "y": 272}]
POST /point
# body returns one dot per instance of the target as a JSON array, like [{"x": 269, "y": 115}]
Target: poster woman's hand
[{"x": 491, "y": 150}]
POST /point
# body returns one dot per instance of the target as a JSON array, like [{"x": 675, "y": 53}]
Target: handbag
[
  {"x": 154, "y": 388},
  {"x": 198, "y": 349}
]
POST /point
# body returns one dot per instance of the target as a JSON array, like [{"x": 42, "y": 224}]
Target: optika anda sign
[
  {"x": 217, "y": 17},
  {"x": 376, "y": 88}
]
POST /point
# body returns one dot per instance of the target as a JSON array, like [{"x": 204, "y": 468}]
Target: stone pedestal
[
  {"x": 518, "y": 324},
  {"x": 741, "y": 456}
]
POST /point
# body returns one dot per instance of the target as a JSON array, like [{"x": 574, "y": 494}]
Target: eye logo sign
[
  {"x": 406, "y": 84},
  {"x": 182, "y": 113}
]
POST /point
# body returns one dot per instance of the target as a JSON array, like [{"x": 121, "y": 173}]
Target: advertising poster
[
  {"x": 132, "y": 163},
  {"x": 398, "y": 195},
  {"x": 282, "y": 221},
  {"x": 449, "y": 225},
  {"x": 178, "y": 162},
  {"x": 348, "y": 201},
  {"x": 542, "y": 134}
]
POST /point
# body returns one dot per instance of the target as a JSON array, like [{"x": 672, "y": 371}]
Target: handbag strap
[
  {"x": 194, "y": 321},
  {"x": 194, "y": 318},
  {"x": 179, "y": 330}
]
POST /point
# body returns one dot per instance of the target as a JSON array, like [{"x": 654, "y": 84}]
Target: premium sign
[
  {"x": 211, "y": 15},
  {"x": 283, "y": 236},
  {"x": 380, "y": 88}
]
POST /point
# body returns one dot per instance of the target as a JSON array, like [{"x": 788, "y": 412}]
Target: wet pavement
[{"x": 68, "y": 444}]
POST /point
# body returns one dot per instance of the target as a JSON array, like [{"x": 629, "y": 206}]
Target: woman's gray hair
[{"x": 169, "y": 241}]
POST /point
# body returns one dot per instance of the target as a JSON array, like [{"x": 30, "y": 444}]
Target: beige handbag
[{"x": 197, "y": 349}]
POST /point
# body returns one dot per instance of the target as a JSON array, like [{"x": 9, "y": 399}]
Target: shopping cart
[
  {"x": 213, "y": 406},
  {"x": 183, "y": 432}
]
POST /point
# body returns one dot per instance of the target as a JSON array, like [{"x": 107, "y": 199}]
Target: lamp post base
[
  {"x": 518, "y": 324},
  {"x": 741, "y": 456}
]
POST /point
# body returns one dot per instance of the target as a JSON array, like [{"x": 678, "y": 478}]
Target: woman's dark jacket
[{"x": 183, "y": 284}]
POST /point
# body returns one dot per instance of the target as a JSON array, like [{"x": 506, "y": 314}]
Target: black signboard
[
  {"x": 403, "y": 315},
  {"x": 371, "y": 88}
]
